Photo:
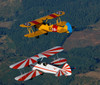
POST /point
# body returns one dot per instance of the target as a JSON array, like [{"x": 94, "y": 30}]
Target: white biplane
[{"x": 38, "y": 67}]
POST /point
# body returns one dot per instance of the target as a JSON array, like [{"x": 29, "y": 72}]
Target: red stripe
[
  {"x": 36, "y": 56},
  {"x": 69, "y": 71},
  {"x": 33, "y": 61},
  {"x": 35, "y": 22},
  {"x": 27, "y": 63},
  {"x": 25, "y": 76},
  {"x": 59, "y": 73},
  {"x": 50, "y": 52},
  {"x": 59, "y": 48},
  {"x": 44, "y": 69},
  {"x": 64, "y": 60},
  {"x": 34, "y": 74},
  {"x": 47, "y": 55},
  {"x": 66, "y": 66},
  {"x": 40, "y": 72},
  {"x": 52, "y": 15},
  {"x": 19, "y": 64},
  {"x": 62, "y": 73}
]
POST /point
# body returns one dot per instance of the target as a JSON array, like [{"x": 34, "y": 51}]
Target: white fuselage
[{"x": 46, "y": 68}]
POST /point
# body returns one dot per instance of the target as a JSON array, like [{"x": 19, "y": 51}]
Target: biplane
[
  {"x": 39, "y": 67},
  {"x": 44, "y": 27}
]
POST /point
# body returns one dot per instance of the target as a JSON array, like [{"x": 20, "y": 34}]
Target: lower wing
[
  {"x": 36, "y": 33},
  {"x": 28, "y": 75}
]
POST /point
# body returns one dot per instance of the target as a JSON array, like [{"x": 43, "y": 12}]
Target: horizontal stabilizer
[
  {"x": 60, "y": 73},
  {"x": 67, "y": 70},
  {"x": 28, "y": 75},
  {"x": 59, "y": 61}
]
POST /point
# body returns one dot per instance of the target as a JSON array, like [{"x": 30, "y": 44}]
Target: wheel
[
  {"x": 46, "y": 33},
  {"x": 37, "y": 37}
]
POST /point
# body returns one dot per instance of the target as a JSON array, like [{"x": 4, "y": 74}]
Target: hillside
[{"x": 88, "y": 37}]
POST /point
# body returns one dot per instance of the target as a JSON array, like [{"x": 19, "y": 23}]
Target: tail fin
[
  {"x": 59, "y": 73},
  {"x": 66, "y": 69}
]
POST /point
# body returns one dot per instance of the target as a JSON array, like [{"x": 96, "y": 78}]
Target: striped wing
[
  {"x": 59, "y": 61},
  {"x": 28, "y": 75},
  {"x": 40, "y": 20},
  {"x": 50, "y": 52},
  {"x": 33, "y": 59},
  {"x": 24, "y": 63}
]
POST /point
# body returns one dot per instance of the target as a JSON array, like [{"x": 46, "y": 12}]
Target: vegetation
[{"x": 79, "y": 13}]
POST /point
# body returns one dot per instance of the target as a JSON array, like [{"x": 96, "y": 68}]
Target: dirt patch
[
  {"x": 2, "y": 38},
  {"x": 5, "y": 41},
  {"x": 92, "y": 74},
  {"x": 6, "y": 24},
  {"x": 88, "y": 37}
]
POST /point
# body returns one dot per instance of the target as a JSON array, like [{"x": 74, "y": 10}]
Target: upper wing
[
  {"x": 59, "y": 61},
  {"x": 62, "y": 23},
  {"x": 24, "y": 63},
  {"x": 28, "y": 75},
  {"x": 40, "y": 20},
  {"x": 34, "y": 59},
  {"x": 36, "y": 33},
  {"x": 51, "y": 52}
]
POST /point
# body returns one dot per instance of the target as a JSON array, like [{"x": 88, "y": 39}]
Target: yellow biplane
[{"x": 44, "y": 27}]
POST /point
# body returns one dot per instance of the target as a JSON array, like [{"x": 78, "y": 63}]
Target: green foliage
[{"x": 78, "y": 13}]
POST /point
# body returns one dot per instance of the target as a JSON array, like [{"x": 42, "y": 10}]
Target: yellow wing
[
  {"x": 62, "y": 23},
  {"x": 36, "y": 33},
  {"x": 40, "y": 20}
]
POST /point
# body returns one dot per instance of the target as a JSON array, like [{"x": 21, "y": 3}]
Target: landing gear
[
  {"x": 46, "y": 33},
  {"x": 37, "y": 37}
]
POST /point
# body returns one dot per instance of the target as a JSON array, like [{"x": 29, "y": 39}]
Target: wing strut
[{"x": 30, "y": 30}]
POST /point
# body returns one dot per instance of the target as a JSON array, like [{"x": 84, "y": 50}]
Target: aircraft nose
[{"x": 69, "y": 27}]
